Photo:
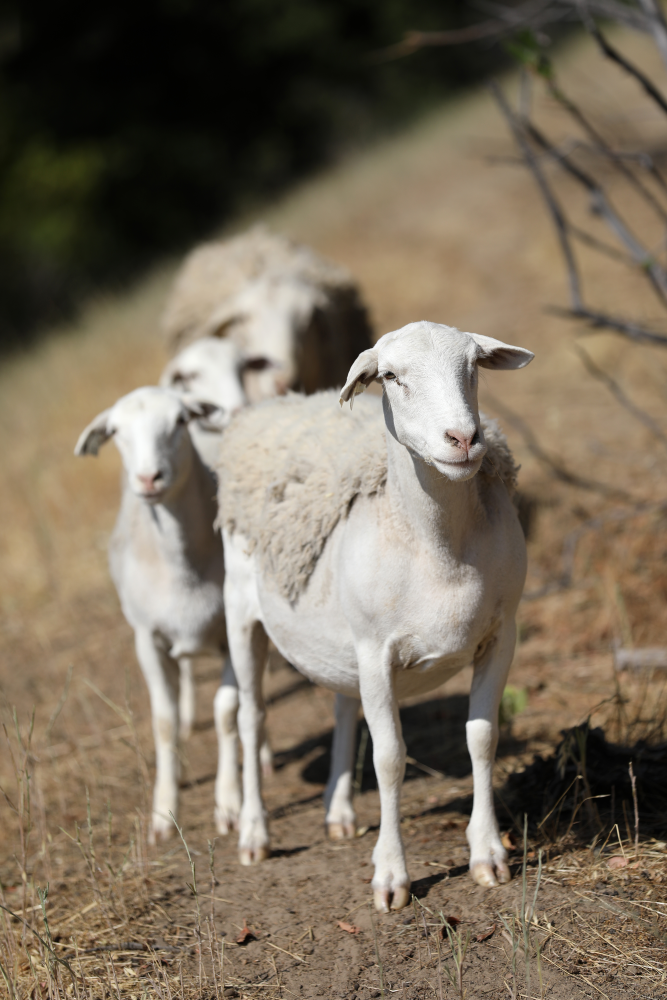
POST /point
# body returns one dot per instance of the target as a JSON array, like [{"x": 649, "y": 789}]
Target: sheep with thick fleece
[
  {"x": 166, "y": 561},
  {"x": 418, "y": 575},
  {"x": 297, "y": 318}
]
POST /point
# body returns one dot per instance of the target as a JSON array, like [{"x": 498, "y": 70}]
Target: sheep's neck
[
  {"x": 183, "y": 523},
  {"x": 438, "y": 511}
]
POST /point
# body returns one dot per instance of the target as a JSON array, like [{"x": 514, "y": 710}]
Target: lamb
[
  {"x": 297, "y": 318},
  {"x": 166, "y": 562},
  {"x": 409, "y": 566}
]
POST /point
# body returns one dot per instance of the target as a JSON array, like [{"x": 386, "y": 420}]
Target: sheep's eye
[{"x": 390, "y": 377}]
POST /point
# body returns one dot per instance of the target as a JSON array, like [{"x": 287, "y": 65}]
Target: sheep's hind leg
[
  {"x": 248, "y": 648},
  {"x": 161, "y": 673},
  {"x": 341, "y": 820},
  {"x": 391, "y": 882},
  {"x": 227, "y": 786},
  {"x": 488, "y": 857},
  {"x": 186, "y": 698}
]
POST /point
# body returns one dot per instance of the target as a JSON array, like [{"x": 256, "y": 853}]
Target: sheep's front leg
[
  {"x": 341, "y": 820},
  {"x": 488, "y": 857},
  {"x": 227, "y": 786},
  {"x": 161, "y": 673},
  {"x": 391, "y": 883}
]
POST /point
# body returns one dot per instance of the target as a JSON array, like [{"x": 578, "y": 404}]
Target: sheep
[
  {"x": 210, "y": 368},
  {"x": 407, "y": 565},
  {"x": 166, "y": 561},
  {"x": 298, "y": 318}
]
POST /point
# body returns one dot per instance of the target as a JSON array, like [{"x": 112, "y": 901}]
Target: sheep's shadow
[{"x": 434, "y": 734}]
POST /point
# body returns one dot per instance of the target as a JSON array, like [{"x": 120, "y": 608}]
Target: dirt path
[{"x": 433, "y": 230}]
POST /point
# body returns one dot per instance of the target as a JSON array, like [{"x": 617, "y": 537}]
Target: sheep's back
[
  {"x": 217, "y": 271},
  {"x": 289, "y": 469}
]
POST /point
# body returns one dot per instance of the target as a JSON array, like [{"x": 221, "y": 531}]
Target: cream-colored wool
[
  {"x": 290, "y": 468},
  {"x": 216, "y": 272}
]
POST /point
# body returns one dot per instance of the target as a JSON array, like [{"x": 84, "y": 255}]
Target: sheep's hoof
[
  {"x": 341, "y": 831},
  {"x": 267, "y": 768},
  {"x": 483, "y": 874},
  {"x": 185, "y": 731},
  {"x": 386, "y": 899},
  {"x": 225, "y": 821},
  {"x": 253, "y": 855},
  {"x": 160, "y": 831}
]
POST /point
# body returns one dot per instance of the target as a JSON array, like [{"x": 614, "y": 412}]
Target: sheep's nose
[
  {"x": 150, "y": 482},
  {"x": 462, "y": 440}
]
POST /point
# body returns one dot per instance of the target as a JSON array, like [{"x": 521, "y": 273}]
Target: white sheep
[
  {"x": 166, "y": 561},
  {"x": 297, "y": 318},
  {"x": 407, "y": 565},
  {"x": 212, "y": 369}
]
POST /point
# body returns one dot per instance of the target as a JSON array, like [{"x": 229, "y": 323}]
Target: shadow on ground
[{"x": 434, "y": 734}]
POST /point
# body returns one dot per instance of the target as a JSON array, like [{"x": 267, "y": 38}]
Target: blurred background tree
[{"x": 129, "y": 129}]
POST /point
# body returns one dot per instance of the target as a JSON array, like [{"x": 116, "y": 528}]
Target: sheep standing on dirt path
[
  {"x": 381, "y": 552},
  {"x": 166, "y": 561},
  {"x": 297, "y": 319}
]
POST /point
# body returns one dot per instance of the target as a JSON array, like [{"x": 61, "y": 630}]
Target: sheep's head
[
  {"x": 267, "y": 320},
  {"x": 211, "y": 368},
  {"x": 429, "y": 375},
  {"x": 149, "y": 427}
]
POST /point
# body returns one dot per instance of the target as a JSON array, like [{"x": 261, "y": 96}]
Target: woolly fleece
[
  {"x": 290, "y": 468},
  {"x": 216, "y": 272}
]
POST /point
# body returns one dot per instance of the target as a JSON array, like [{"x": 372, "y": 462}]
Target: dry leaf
[
  {"x": 367, "y": 881},
  {"x": 485, "y": 935},
  {"x": 451, "y": 922},
  {"x": 246, "y": 934},
  {"x": 350, "y": 928},
  {"x": 508, "y": 841},
  {"x": 617, "y": 862}
]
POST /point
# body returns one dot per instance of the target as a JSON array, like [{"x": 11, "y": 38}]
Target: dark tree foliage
[{"x": 128, "y": 129}]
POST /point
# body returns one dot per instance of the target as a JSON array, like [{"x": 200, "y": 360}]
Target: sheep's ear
[
  {"x": 362, "y": 373},
  {"x": 95, "y": 435},
  {"x": 219, "y": 322},
  {"x": 171, "y": 376},
  {"x": 495, "y": 354},
  {"x": 209, "y": 416}
]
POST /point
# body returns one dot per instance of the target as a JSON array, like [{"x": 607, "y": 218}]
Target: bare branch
[
  {"x": 553, "y": 205},
  {"x": 613, "y": 54},
  {"x": 602, "y": 206},
  {"x": 657, "y": 26},
  {"x": 595, "y": 244},
  {"x": 601, "y": 145},
  {"x": 571, "y": 541},
  {"x": 602, "y": 321},
  {"x": 617, "y": 392},
  {"x": 555, "y": 466}
]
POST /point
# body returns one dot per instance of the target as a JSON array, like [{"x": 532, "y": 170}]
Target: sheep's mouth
[
  {"x": 458, "y": 465},
  {"x": 151, "y": 496}
]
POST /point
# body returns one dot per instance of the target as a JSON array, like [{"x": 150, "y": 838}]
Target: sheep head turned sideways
[
  {"x": 429, "y": 375},
  {"x": 211, "y": 368},
  {"x": 267, "y": 317},
  {"x": 149, "y": 427}
]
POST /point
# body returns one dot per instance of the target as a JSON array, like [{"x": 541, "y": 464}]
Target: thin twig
[
  {"x": 633, "y": 782},
  {"x": 557, "y": 468},
  {"x": 619, "y": 395},
  {"x": 552, "y": 202}
]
